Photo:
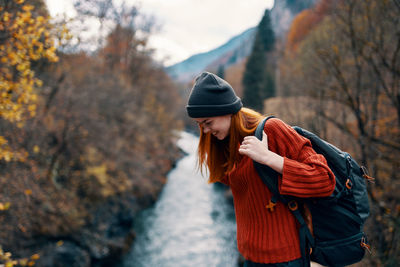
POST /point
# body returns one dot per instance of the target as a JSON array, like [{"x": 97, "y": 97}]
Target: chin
[{"x": 219, "y": 137}]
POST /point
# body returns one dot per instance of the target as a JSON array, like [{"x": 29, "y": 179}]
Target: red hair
[{"x": 221, "y": 156}]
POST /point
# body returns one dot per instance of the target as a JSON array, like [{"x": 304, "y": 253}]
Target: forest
[{"x": 87, "y": 138}]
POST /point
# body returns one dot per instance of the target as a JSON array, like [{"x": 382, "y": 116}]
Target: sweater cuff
[
  {"x": 300, "y": 182},
  {"x": 290, "y": 167}
]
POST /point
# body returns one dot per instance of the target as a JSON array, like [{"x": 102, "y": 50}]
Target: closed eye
[{"x": 207, "y": 123}]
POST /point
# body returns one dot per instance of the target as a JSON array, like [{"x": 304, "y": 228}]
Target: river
[{"x": 191, "y": 224}]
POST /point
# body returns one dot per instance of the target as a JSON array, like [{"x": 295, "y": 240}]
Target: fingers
[
  {"x": 247, "y": 146},
  {"x": 249, "y": 139},
  {"x": 242, "y": 149},
  {"x": 251, "y": 145},
  {"x": 244, "y": 146},
  {"x": 246, "y": 138}
]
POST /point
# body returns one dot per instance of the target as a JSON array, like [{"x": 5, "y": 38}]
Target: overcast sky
[{"x": 189, "y": 26}]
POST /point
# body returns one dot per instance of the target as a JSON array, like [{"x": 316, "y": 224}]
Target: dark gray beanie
[{"x": 212, "y": 96}]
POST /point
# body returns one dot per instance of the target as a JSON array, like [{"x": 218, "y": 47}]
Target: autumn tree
[
  {"x": 25, "y": 38},
  {"x": 305, "y": 21},
  {"x": 258, "y": 79},
  {"x": 102, "y": 139},
  {"x": 349, "y": 63}
]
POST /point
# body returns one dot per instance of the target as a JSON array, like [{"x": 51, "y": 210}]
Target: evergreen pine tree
[
  {"x": 268, "y": 89},
  {"x": 253, "y": 77},
  {"x": 265, "y": 32},
  {"x": 258, "y": 83}
]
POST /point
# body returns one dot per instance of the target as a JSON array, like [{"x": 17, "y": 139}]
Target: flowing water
[{"x": 192, "y": 223}]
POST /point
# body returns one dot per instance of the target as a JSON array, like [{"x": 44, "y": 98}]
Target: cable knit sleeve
[{"x": 305, "y": 173}]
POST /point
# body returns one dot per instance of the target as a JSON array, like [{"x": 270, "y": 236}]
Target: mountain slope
[
  {"x": 231, "y": 52},
  {"x": 284, "y": 11},
  {"x": 239, "y": 47}
]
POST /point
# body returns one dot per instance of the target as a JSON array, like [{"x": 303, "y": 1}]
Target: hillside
[
  {"x": 237, "y": 49},
  {"x": 231, "y": 52},
  {"x": 284, "y": 12}
]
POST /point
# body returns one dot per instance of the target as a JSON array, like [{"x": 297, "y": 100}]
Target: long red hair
[{"x": 221, "y": 156}]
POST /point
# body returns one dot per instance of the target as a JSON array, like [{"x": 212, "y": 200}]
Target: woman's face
[{"x": 217, "y": 126}]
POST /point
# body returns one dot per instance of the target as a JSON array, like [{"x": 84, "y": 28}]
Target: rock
[{"x": 66, "y": 254}]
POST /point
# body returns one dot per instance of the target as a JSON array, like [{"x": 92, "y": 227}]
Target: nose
[{"x": 206, "y": 129}]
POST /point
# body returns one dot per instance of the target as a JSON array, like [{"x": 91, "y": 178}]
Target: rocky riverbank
[
  {"x": 106, "y": 235},
  {"x": 102, "y": 240}
]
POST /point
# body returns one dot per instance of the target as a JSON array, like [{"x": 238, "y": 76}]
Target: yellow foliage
[
  {"x": 5, "y": 257},
  {"x": 5, "y": 206},
  {"x": 8, "y": 262},
  {"x": 26, "y": 39},
  {"x": 28, "y": 8},
  {"x": 3, "y": 141},
  {"x": 100, "y": 172},
  {"x": 36, "y": 149},
  {"x": 335, "y": 48},
  {"x": 23, "y": 262}
]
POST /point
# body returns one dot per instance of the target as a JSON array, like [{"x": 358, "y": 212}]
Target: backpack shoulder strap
[
  {"x": 266, "y": 173},
  {"x": 270, "y": 179}
]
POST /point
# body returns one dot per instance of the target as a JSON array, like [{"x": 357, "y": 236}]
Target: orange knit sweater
[{"x": 270, "y": 237}]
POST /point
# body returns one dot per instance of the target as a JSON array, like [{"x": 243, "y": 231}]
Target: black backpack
[{"x": 337, "y": 221}]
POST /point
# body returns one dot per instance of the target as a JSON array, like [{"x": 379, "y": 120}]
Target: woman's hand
[
  {"x": 258, "y": 151},
  {"x": 254, "y": 148}
]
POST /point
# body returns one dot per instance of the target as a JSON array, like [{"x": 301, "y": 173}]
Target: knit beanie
[{"x": 212, "y": 96}]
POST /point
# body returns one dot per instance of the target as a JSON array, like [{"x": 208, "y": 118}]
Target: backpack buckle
[
  {"x": 349, "y": 184},
  {"x": 365, "y": 175},
  {"x": 365, "y": 245},
  {"x": 293, "y": 205}
]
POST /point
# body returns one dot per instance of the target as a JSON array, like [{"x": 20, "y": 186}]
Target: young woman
[{"x": 265, "y": 236}]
